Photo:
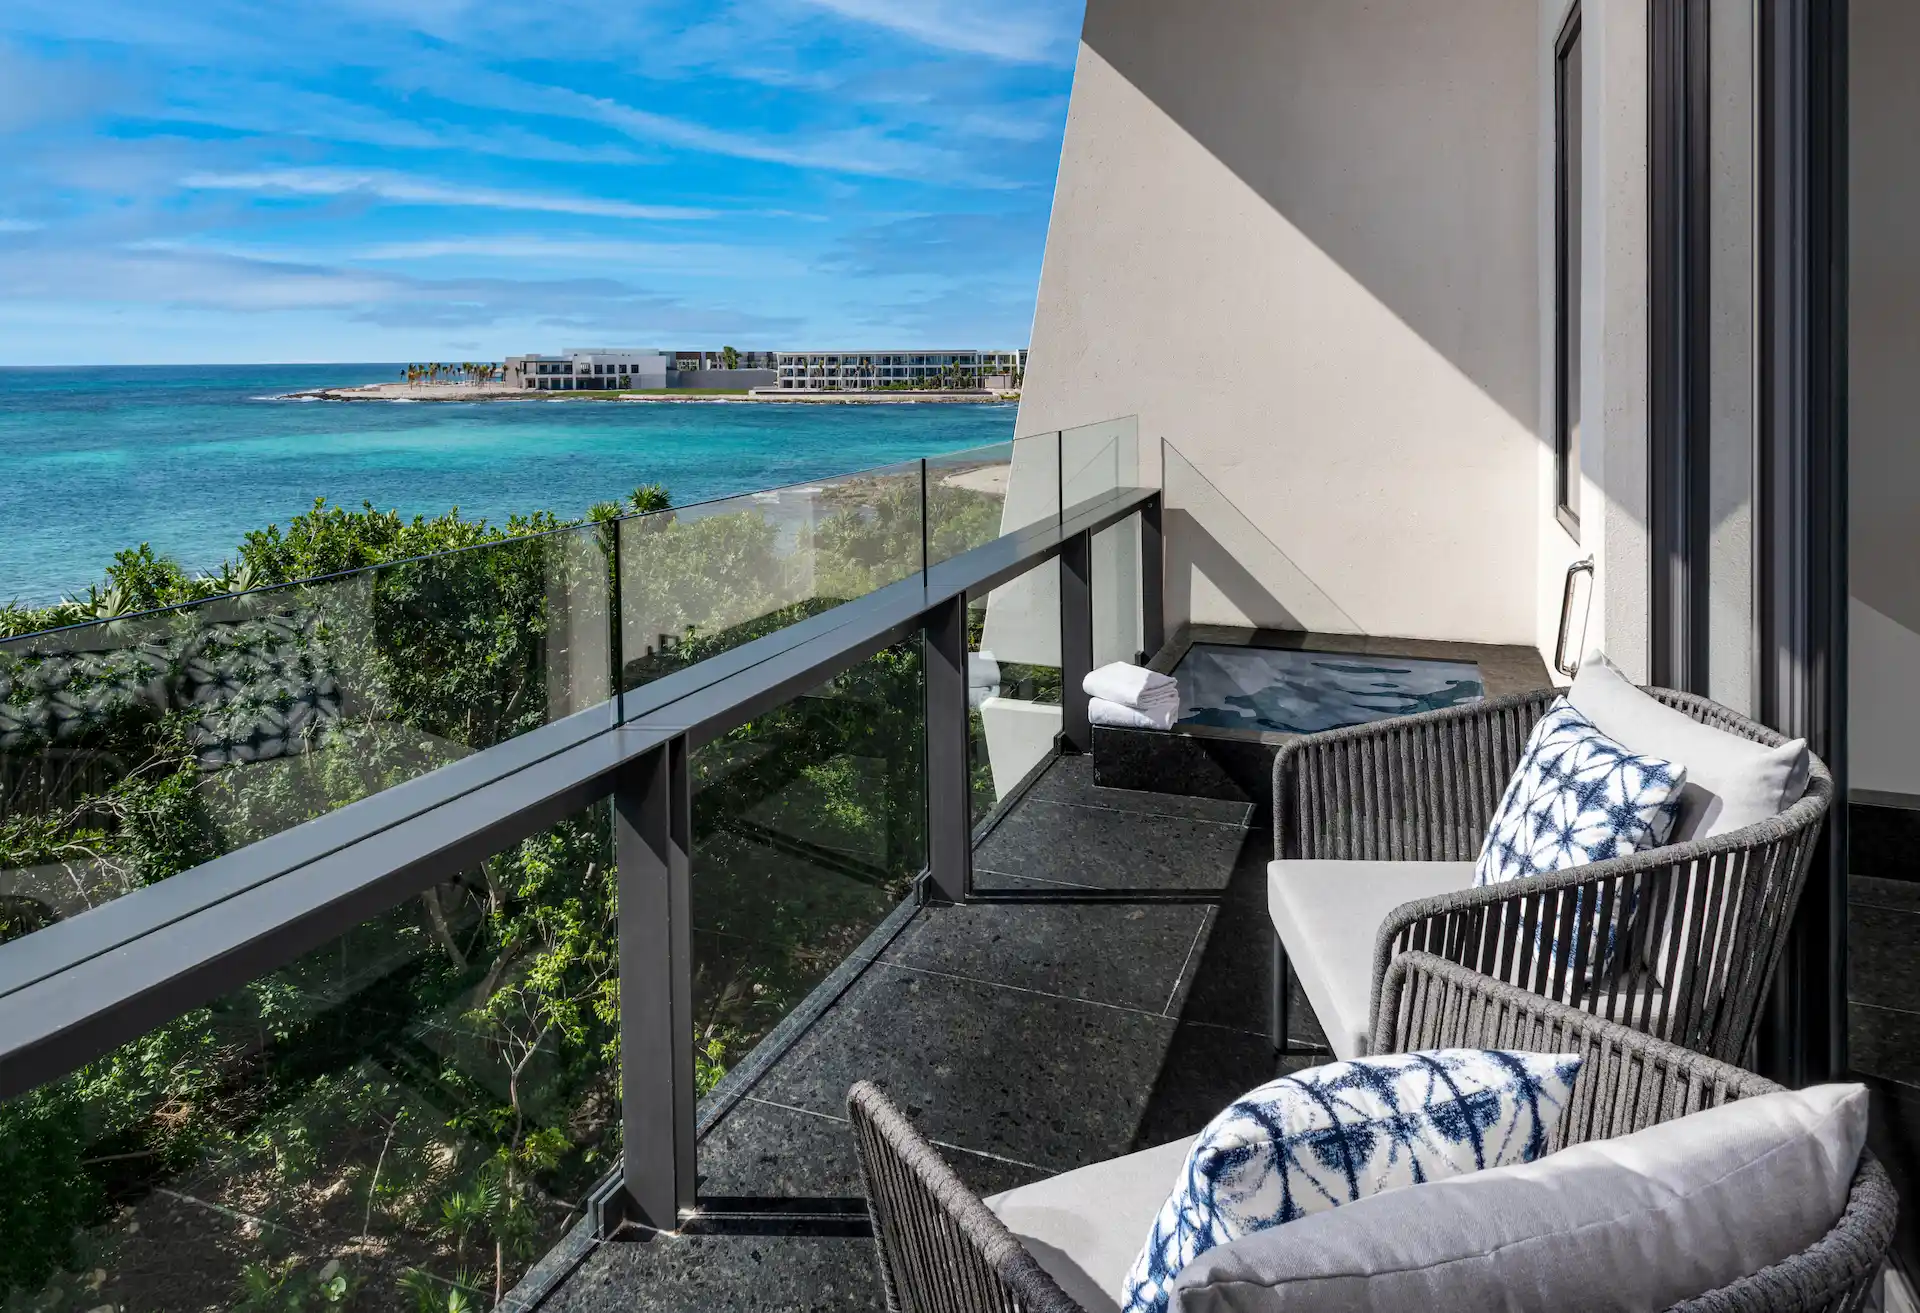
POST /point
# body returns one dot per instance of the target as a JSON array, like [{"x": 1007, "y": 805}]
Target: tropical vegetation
[{"x": 408, "y": 1116}]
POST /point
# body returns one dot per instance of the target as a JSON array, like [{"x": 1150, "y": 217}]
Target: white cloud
[
  {"x": 705, "y": 258},
  {"x": 185, "y": 278},
  {"x": 401, "y": 189},
  {"x": 862, "y": 151},
  {"x": 20, "y": 226},
  {"x": 1026, "y": 32}
]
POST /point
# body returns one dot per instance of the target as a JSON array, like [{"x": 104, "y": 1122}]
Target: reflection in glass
[
  {"x": 134, "y": 748},
  {"x": 1013, "y": 682},
  {"x": 809, "y": 826},
  {"x": 405, "y": 1118},
  {"x": 699, "y": 580}
]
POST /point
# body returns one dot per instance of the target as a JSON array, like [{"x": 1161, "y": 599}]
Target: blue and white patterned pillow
[
  {"x": 1321, "y": 1138},
  {"x": 1577, "y": 797}
]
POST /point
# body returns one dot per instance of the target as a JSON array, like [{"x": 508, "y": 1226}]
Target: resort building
[
  {"x": 701, "y": 361},
  {"x": 836, "y": 371},
  {"x": 588, "y": 369},
  {"x": 1488, "y": 423}
]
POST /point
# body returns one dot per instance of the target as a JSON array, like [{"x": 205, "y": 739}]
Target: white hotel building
[
  {"x": 835, "y": 371},
  {"x": 588, "y": 369}
]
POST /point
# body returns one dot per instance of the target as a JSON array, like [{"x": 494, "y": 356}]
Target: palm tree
[{"x": 729, "y": 357}]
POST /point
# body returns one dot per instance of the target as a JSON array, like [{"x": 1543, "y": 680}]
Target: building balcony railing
[{"x": 369, "y": 933}]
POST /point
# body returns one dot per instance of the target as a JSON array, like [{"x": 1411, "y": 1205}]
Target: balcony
[
  {"x": 994, "y": 1022},
  {"x": 504, "y": 928},
  {"x": 363, "y": 939}
]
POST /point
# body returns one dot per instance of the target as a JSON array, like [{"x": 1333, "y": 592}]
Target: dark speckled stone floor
[{"x": 1025, "y": 1039}]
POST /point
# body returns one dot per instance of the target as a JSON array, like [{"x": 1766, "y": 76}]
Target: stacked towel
[{"x": 1131, "y": 697}]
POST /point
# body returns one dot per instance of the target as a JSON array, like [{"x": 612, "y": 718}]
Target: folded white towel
[
  {"x": 1102, "y": 712},
  {"x": 1131, "y": 686}
]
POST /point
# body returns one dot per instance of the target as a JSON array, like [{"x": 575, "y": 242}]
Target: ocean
[{"x": 190, "y": 458}]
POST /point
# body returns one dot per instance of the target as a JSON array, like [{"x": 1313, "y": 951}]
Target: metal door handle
[{"x": 1566, "y": 616}]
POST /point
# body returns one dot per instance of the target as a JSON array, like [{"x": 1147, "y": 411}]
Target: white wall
[
  {"x": 1883, "y": 441},
  {"x": 1614, "y": 461},
  {"x": 1301, "y": 242}
]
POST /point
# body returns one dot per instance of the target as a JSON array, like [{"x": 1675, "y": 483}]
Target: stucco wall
[
  {"x": 1301, "y": 242},
  {"x": 1883, "y": 432}
]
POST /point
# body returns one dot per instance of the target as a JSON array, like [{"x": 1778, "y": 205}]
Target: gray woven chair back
[
  {"x": 1680, "y": 942},
  {"x": 943, "y": 1251},
  {"x": 940, "y": 1249},
  {"x": 1629, "y": 1081}
]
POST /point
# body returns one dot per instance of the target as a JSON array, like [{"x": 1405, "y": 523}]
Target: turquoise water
[{"x": 189, "y": 459}]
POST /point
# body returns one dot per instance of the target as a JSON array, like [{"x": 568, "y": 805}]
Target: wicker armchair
[
  {"x": 1680, "y": 942},
  {"x": 943, "y": 1250}
]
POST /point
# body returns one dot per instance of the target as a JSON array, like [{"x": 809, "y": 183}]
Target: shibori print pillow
[
  {"x": 1577, "y": 797},
  {"x": 1326, "y": 1137}
]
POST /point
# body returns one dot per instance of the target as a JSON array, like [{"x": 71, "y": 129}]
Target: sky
[{"x": 233, "y": 181}]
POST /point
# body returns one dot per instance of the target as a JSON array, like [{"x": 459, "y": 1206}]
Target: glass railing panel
[
  {"x": 809, "y": 828},
  {"x": 1013, "y": 683},
  {"x": 407, "y": 1117},
  {"x": 1223, "y": 566},
  {"x": 134, "y": 748},
  {"x": 1097, "y": 458},
  {"x": 966, "y": 499},
  {"x": 1115, "y": 564},
  {"x": 699, "y": 580},
  {"x": 976, "y": 496}
]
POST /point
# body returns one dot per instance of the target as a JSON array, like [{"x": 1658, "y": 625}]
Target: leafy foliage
[{"x": 415, "y": 1109}]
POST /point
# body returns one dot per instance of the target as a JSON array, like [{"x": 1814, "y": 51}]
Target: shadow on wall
[
  {"x": 1216, "y": 554},
  {"x": 1399, "y": 138}
]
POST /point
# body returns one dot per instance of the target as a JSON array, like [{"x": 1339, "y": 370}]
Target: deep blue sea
[{"x": 189, "y": 459}]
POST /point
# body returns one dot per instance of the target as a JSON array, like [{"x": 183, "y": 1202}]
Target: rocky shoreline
[{"x": 402, "y": 392}]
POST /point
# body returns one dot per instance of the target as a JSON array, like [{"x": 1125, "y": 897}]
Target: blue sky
[{"x": 242, "y": 180}]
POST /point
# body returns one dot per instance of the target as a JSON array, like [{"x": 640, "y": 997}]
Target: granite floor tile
[
  {"x": 1885, "y": 1042},
  {"x": 765, "y": 1150},
  {"x": 1206, "y": 1068},
  {"x": 1248, "y": 883},
  {"x": 1070, "y": 780},
  {"x": 1039, "y": 1080},
  {"x": 1127, "y": 956},
  {"x": 724, "y": 1274},
  {"x": 1893, "y": 1133},
  {"x": 1884, "y": 841},
  {"x": 1230, "y": 975},
  {"x": 758, "y": 1149},
  {"x": 1102, "y": 849},
  {"x": 1883, "y": 956},
  {"x": 1875, "y": 891}
]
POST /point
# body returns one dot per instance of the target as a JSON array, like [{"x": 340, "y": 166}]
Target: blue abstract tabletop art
[{"x": 1286, "y": 691}]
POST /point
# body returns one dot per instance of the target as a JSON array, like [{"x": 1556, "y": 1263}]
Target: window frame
[{"x": 1566, "y": 475}]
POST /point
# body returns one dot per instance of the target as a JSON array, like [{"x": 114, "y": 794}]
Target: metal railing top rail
[
  {"x": 75, "y": 990},
  {"x": 56, "y": 946}
]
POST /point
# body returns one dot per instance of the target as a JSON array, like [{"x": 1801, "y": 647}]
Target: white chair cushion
[
  {"x": 1612, "y": 1226},
  {"x": 1328, "y": 915},
  {"x": 1084, "y": 1226},
  {"x": 1732, "y": 782}
]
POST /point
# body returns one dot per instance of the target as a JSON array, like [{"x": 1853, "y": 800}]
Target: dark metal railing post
[
  {"x": 926, "y": 526},
  {"x": 1153, "y": 607},
  {"x": 653, "y": 826},
  {"x": 616, "y": 654},
  {"x": 949, "y": 760},
  {"x": 1076, "y": 639}
]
